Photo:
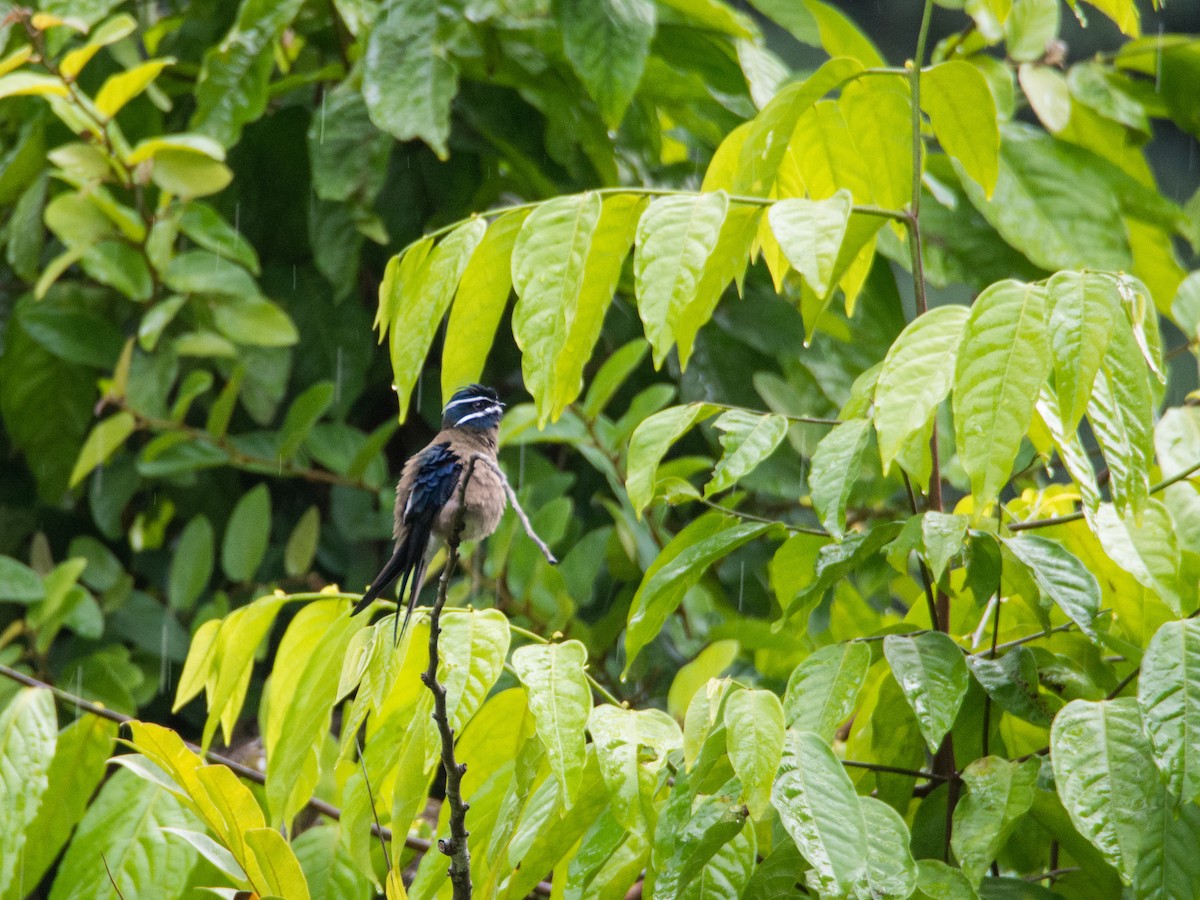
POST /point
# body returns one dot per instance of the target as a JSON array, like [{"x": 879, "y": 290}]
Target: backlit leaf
[
  {"x": 960, "y": 106},
  {"x": 810, "y": 232}
]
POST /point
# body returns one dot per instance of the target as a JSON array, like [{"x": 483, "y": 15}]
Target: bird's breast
[{"x": 485, "y": 501}]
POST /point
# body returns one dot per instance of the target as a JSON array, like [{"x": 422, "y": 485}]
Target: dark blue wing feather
[{"x": 433, "y": 485}]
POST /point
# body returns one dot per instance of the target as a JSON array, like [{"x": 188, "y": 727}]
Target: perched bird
[{"x": 427, "y": 496}]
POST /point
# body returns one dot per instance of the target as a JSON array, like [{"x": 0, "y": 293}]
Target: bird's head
[{"x": 473, "y": 406}]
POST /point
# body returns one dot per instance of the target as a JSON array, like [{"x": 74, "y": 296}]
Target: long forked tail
[
  {"x": 390, "y": 572},
  {"x": 418, "y": 577}
]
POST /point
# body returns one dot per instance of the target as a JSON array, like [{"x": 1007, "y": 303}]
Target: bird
[{"x": 427, "y": 495}]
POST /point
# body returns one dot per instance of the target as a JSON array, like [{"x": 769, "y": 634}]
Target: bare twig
[
  {"x": 516, "y": 505},
  {"x": 456, "y": 847}
]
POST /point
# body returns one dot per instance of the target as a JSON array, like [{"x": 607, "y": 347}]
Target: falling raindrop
[{"x": 741, "y": 586}]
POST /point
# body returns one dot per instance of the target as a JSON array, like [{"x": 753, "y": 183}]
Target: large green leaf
[
  {"x": 836, "y": 465},
  {"x": 932, "y": 673},
  {"x": 247, "y": 534},
  {"x": 408, "y": 81},
  {"x": 80, "y": 754},
  {"x": 1061, "y": 577},
  {"x": 810, "y": 233},
  {"x": 916, "y": 376},
  {"x": 27, "y": 738},
  {"x": 675, "y": 238},
  {"x": 1012, "y": 681},
  {"x": 891, "y": 870},
  {"x": 122, "y": 838},
  {"x": 549, "y": 262},
  {"x": 191, "y": 564},
  {"x": 821, "y": 812},
  {"x": 823, "y": 690},
  {"x": 1169, "y": 698},
  {"x": 999, "y": 792},
  {"x": 299, "y": 701},
  {"x": 232, "y": 89},
  {"x": 1083, "y": 308},
  {"x": 748, "y": 439},
  {"x": 631, "y": 746},
  {"x": 1168, "y": 865},
  {"x": 960, "y": 106},
  {"x": 474, "y": 648},
  {"x": 679, "y": 566},
  {"x": 560, "y": 700},
  {"x": 754, "y": 731},
  {"x": 610, "y": 245},
  {"x": 417, "y": 303},
  {"x": 837, "y": 561},
  {"x": 1047, "y": 204},
  {"x": 1121, "y": 413},
  {"x": 1002, "y": 361},
  {"x": 1147, "y": 550},
  {"x": 606, "y": 42},
  {"x": 1105, "y": 776},
  {"x": 938, "y": 881},
  {"x": 650, "y": 442},
  {"x": 479, "y": 303}
]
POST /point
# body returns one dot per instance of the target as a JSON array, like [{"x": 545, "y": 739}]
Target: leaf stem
[
  {"x": 1076, "y": 516},
  {"x": 744, "y": 199}
]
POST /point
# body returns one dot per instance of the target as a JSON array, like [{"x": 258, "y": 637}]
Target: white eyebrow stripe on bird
[
  {"x": 496, "y": 408},
  {"x": 474, "y": 399}
]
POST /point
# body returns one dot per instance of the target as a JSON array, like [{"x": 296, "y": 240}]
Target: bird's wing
[{"x": 429, "y": 480}]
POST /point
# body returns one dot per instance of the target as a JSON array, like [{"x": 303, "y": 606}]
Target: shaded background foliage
[{"x": 259, "y": 437}]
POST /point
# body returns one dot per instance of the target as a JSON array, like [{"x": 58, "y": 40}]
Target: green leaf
[
  {"x": 299, "y": 702},
  {"x": 191, "y": 564},
  {"x": 1061, "y": 577},
  {"x": 1012, "y": 681},
  {"x": 560, "y": 700},
  {"x": 611, "y": 375},
  {"x": 960, "y": 106},
  {"x": 1046, "y": 204},
  {"x": 631, "y": 746},
  {"x": 188, "y": 173},
  {"x": 18, "y": 582},
  {"x": 415, "y": 304},
  {"x": 938, "y": 881},
  {"x": 247, "y": 534},
  {"x": 274, "y": 856},
  {"x": 1177, "y": 440},
  {"x": 549, "y": 261},
  {"x": 1147, "y": 550},
  {"x": 607, "y": 42},
  {"x": 207, "y": 272},
  {"x": 328, "y": 867},
  {"x": 810, "y": 233},
  {"x": 770, "y": 133},
  {"x": 27, "y": 738},
  {"x": 1167, "y": 865},
  {"x": 102, "y": 442},
  {"x": 699, "y": 674},
  {"x": 916, "y": 376},
  {"x": 479, "y": 303},
  {"x": 80, "y": 756},
  {"x": 821, "y": 812},
  {"x": 305, "y": 411},
  {"x": 748, "y": 439},
  {"x": 836, "y": 465},
  {"x": 122, "y": 837},
  {"x": 204, "y": 225},
  {"x": 679, "y": 566},
  {"x": 232, "y": 89},
  {"x": 1002, "y": 361},
  {"x": 408, "y": 81},
  {"x": 605, "y": 261},
  {"x": 835, "y": 562},
  {"x": 1121, "y": 413},
  {"x": 999, "y": 792},
  {"x": 121, "y": 267},
  {"x": 932, "y": 673},
  {"x": 943, "y": 537},
  {"x": 476, "y": 645},
  {"x": 122, "y": 87},
  {"x": 302, "y": 544},
  {"x": 675, "y": 238},
  {"x": 891, "y": 870},
  {"x": 1105, "y": 776},
  {"x": 823, "y": 690},
  {"x": 650, "y": 442},
  {"x": 1083, "y": 311},
  {"x": 1169, "y": 698},
  {"x": 255, "y": 322},
  {"x": 754, "y": 730}
]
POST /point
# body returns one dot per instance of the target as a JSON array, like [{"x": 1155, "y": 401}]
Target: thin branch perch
[{"x": 456, "y": 847}]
